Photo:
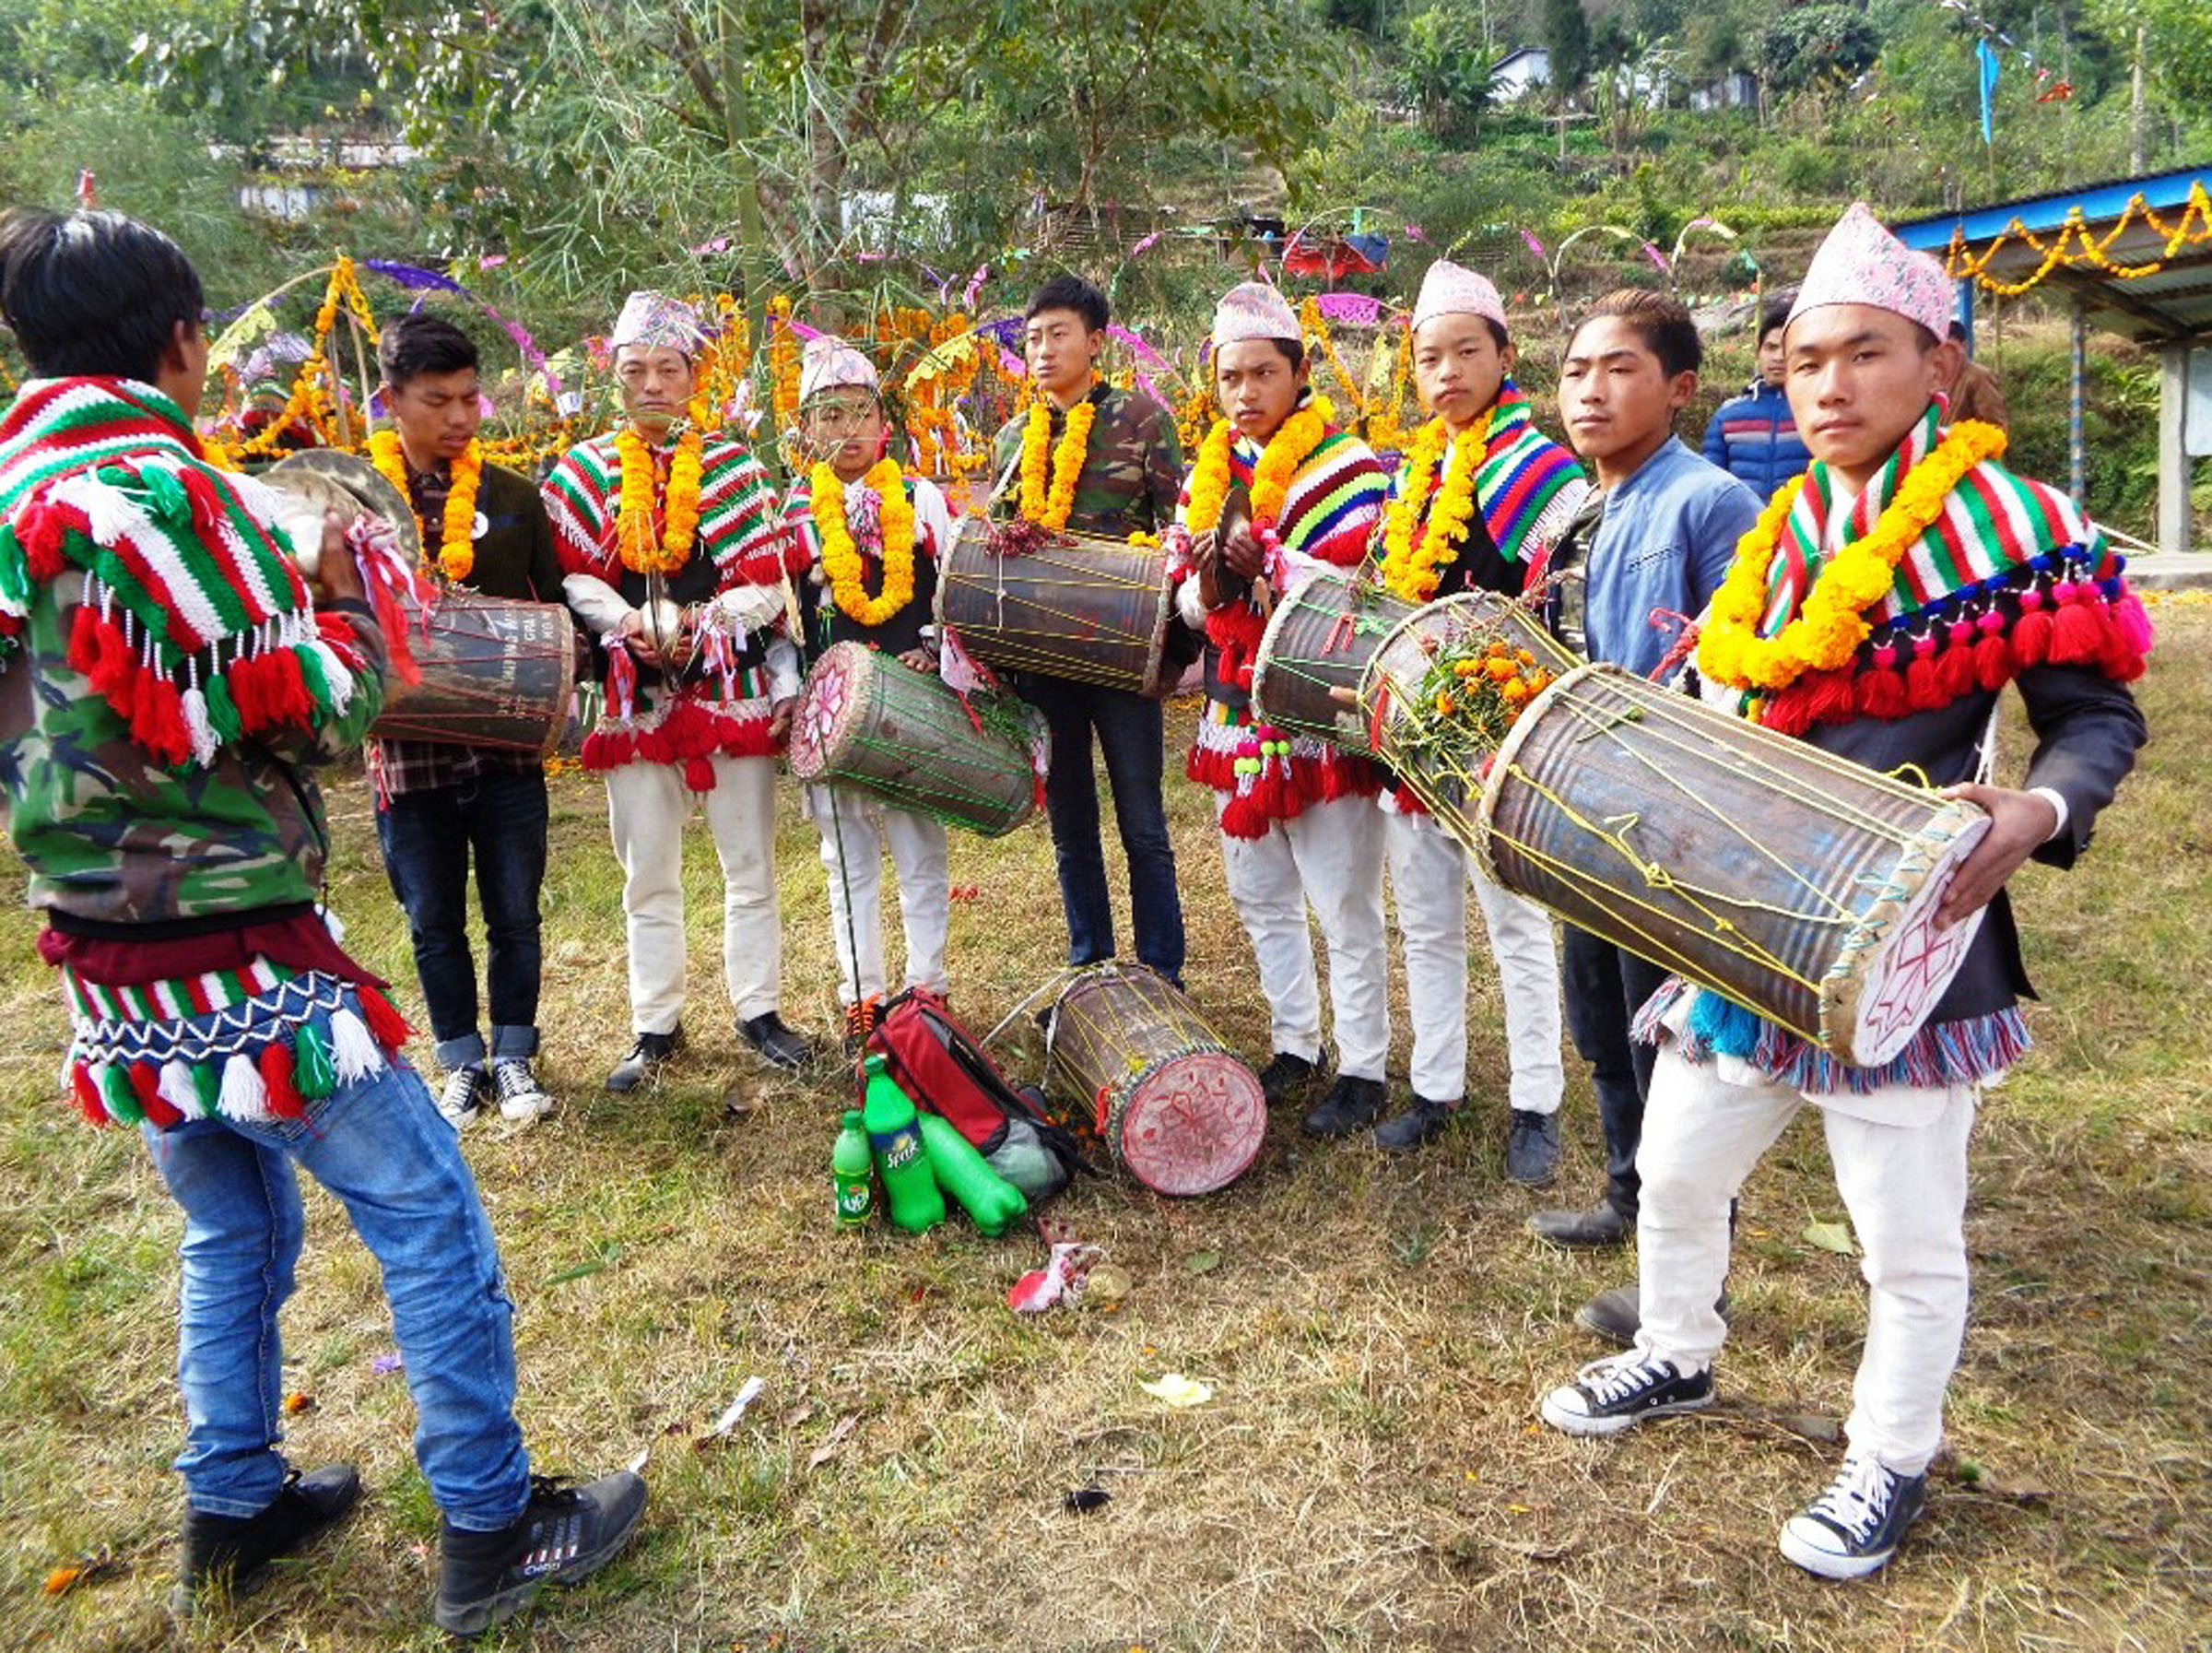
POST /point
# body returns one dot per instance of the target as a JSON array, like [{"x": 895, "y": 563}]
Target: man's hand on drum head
[
  {"x": 920, "y": 659},
  {"x": 2019, "y": 822},
  {"x": 338, "y": 577}
]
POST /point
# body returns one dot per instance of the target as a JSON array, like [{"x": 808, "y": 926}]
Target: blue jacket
[
  {"x": 1753, "y": 439},
  {"x": 1664, "y": 543}
]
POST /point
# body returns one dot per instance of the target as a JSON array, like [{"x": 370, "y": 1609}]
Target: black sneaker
[
  {"x": 1351, "y": 1104},
  {"x": 644, "y": 1059},
  {"x": 1531, "y": 1149},
  {"x": 1601, "y": 1226},
  {"x": 463, "y": 1095},
  {"x": 522, "y": 1098},
  {"x": 1419, "y": 1124},
  {"x": 223, "y": 1552},
  {"x": 1286, "y": 1076},
  {"x": 1622, "y": 1391},
  {"x": 1853, "y": 1527},
  {"x": 565, "y": 1534},
  {"x": 766, "y": 1035}
]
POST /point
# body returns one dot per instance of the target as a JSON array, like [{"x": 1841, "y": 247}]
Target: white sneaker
[
  {"x": 1620, "y": 1391},
  {"x": 462, "y": 1096},
  {"x": 1855, "y": 1526},
  {"x": 522, "y": 1098}
]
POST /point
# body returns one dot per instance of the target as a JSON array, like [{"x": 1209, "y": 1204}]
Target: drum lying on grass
[
  {"x": 1786, "y": 878},
  {"x": 1320, "y": 639},
  {"x": 869, "y": 721},
  {"x": 1181, "y": 1114},
  {"x": 494, "y": 673},
  {"x": 1097, "y": 610}
]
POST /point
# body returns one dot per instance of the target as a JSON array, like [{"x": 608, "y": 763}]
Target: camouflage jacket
[
  {"x": 112, "y": 835},
  {"x": 1132, "y": 474}
]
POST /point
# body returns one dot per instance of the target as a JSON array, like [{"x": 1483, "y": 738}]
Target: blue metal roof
[{"x": 2175, "y": 304}]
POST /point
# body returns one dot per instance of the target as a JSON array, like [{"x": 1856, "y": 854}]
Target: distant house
[
  {"x": 1520, "y": 72},
  {"x": 1737, "y": 91}
]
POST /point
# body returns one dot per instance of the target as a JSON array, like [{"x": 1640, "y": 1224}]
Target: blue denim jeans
[
  {"x": 379, "y": 1147},
  {"x": 428, "y": 838},
  {"x": 1131, "y": 736}
]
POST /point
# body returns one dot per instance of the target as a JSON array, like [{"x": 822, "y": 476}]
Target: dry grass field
[{"x": 1369, "y": 1472}]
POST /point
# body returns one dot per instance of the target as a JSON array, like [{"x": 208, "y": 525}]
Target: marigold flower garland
[
  {"x": 456, "y": 556},
  {"x": 1050, "y": 507},
  {"x": 1829, "y": 624},
  {"x": 841, "y": 558},
  {"x": 641, "y": 553},
  {"x": 1413, "y": 570}
]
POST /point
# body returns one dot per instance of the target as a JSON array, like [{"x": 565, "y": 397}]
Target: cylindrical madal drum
[
  {"x": 1178, "y": 1109},
  {"x": 1785, "y": 878},
  {"x": 1096, "y": 610},
  {"x": 871, "y": 722},
  {"x": 1320, "y": 639}
]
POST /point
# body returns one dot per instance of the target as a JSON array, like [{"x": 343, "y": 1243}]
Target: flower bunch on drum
[{"x": 1468, "y": 698}]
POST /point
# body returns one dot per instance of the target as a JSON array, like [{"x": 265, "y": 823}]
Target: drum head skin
[
  {"x": 1884, "y": 987},
  {"x": 1192, "y": 1125}
]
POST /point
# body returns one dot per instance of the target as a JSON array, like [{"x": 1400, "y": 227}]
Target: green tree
[
  {"x": 1566, "y": 30},
  {"x": 1443, "y": 69},
  {"x": 1816, "y": 42}
]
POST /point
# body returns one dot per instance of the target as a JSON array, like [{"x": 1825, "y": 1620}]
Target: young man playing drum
[
  {"x": 483, "y": 529},
  {"x": 1876, "y": 609},
  {"x": 1475, "y": 507},
  {"x": 677, "y": 562},
  {"x": 1276, "y": 492},
  {"x": 1093, "y": 459},
  {"x": 1651, "y": 540},
  {"x": 167, "y": 688},
  {"x": 874, "y": 537}
]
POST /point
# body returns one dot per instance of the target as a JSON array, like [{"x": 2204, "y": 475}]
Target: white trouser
[
  {"x": 647, "y": 805},
  {"x": 1429, "y": 887},
  {"x": 1332, "y": 856},
  {"x": 1904, "y": 1185},
  {"x": 857, "y": 830},
  {"x": 1527, "y": 951}
]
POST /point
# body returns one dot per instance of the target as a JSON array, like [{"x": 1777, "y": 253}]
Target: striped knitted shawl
[
  {"x": 195, "y": 625},
  {"x": 2011, "y": 575},
  {"x": 1525, "y": 485},
  {"x": 739, "y": 526},
  {"x": 1334, "y": 499}
]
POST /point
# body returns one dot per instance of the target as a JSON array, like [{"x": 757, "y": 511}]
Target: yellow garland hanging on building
[
  {"x": 640, "y": 551},
  {"x": 841, "y": 557},
  {"x": 1829, "y": 624},
  {"x": 456, "y": 556},
  {"x": 1412, "y": 571},
  {"x": 1048, "y": 494}
]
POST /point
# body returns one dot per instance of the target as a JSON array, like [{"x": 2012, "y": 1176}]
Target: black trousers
[{"x": 1606, "y": 987}]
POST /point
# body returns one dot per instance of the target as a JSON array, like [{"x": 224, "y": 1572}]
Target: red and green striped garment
[{"x": 738, "y": 524}]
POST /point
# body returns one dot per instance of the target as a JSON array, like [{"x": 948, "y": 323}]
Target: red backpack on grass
[{"x": 943, "y": 1069}]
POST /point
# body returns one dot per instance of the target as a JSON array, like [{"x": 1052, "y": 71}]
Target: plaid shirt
[{"x": 515, "y": 558}]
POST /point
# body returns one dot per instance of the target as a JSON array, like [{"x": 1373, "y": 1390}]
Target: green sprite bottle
[
  {"x": 909, "y": 1188},
  {"x": 854, "y": 1169}
]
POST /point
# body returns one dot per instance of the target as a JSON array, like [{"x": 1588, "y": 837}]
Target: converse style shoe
[
  {"x": 522, "y": 1098},
  {"x": 463, "y": 1095},
  {"x": 564, "y": 1534},
  {"x": 1855, "y": 1526},
  {"x": 1286, "y": 1076},
  {"x": 644, "y": 1059},
  {"x": 225, "y": 1553},
  {"x": 1622, "y": 1391},
  {"x": 1350, "y": 1105}
]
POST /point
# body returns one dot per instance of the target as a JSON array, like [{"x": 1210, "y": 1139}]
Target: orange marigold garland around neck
[
  {"x": 1412, "y": 570},
  {"x": 1048, "y": 482},
  {"x": 1831, "y": 623},
  {"x": 456, "y": 554},
  {"x": 1235, "y": 627},
  {"x": 643, "y": 552},
  {"x": 842, "y": 560}
]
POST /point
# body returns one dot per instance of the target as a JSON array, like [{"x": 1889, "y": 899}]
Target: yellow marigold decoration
[
  {"x": 640, "y": 551},
  {"x": 1829, "y": 624},
  {"x": 1050, "y": 507},
  {"x": 456, "y": 556},
  {"x": 1292, "y": 443},
  {"x": 1412, "y": 571},
  {"x": 842, "y": 559}
]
